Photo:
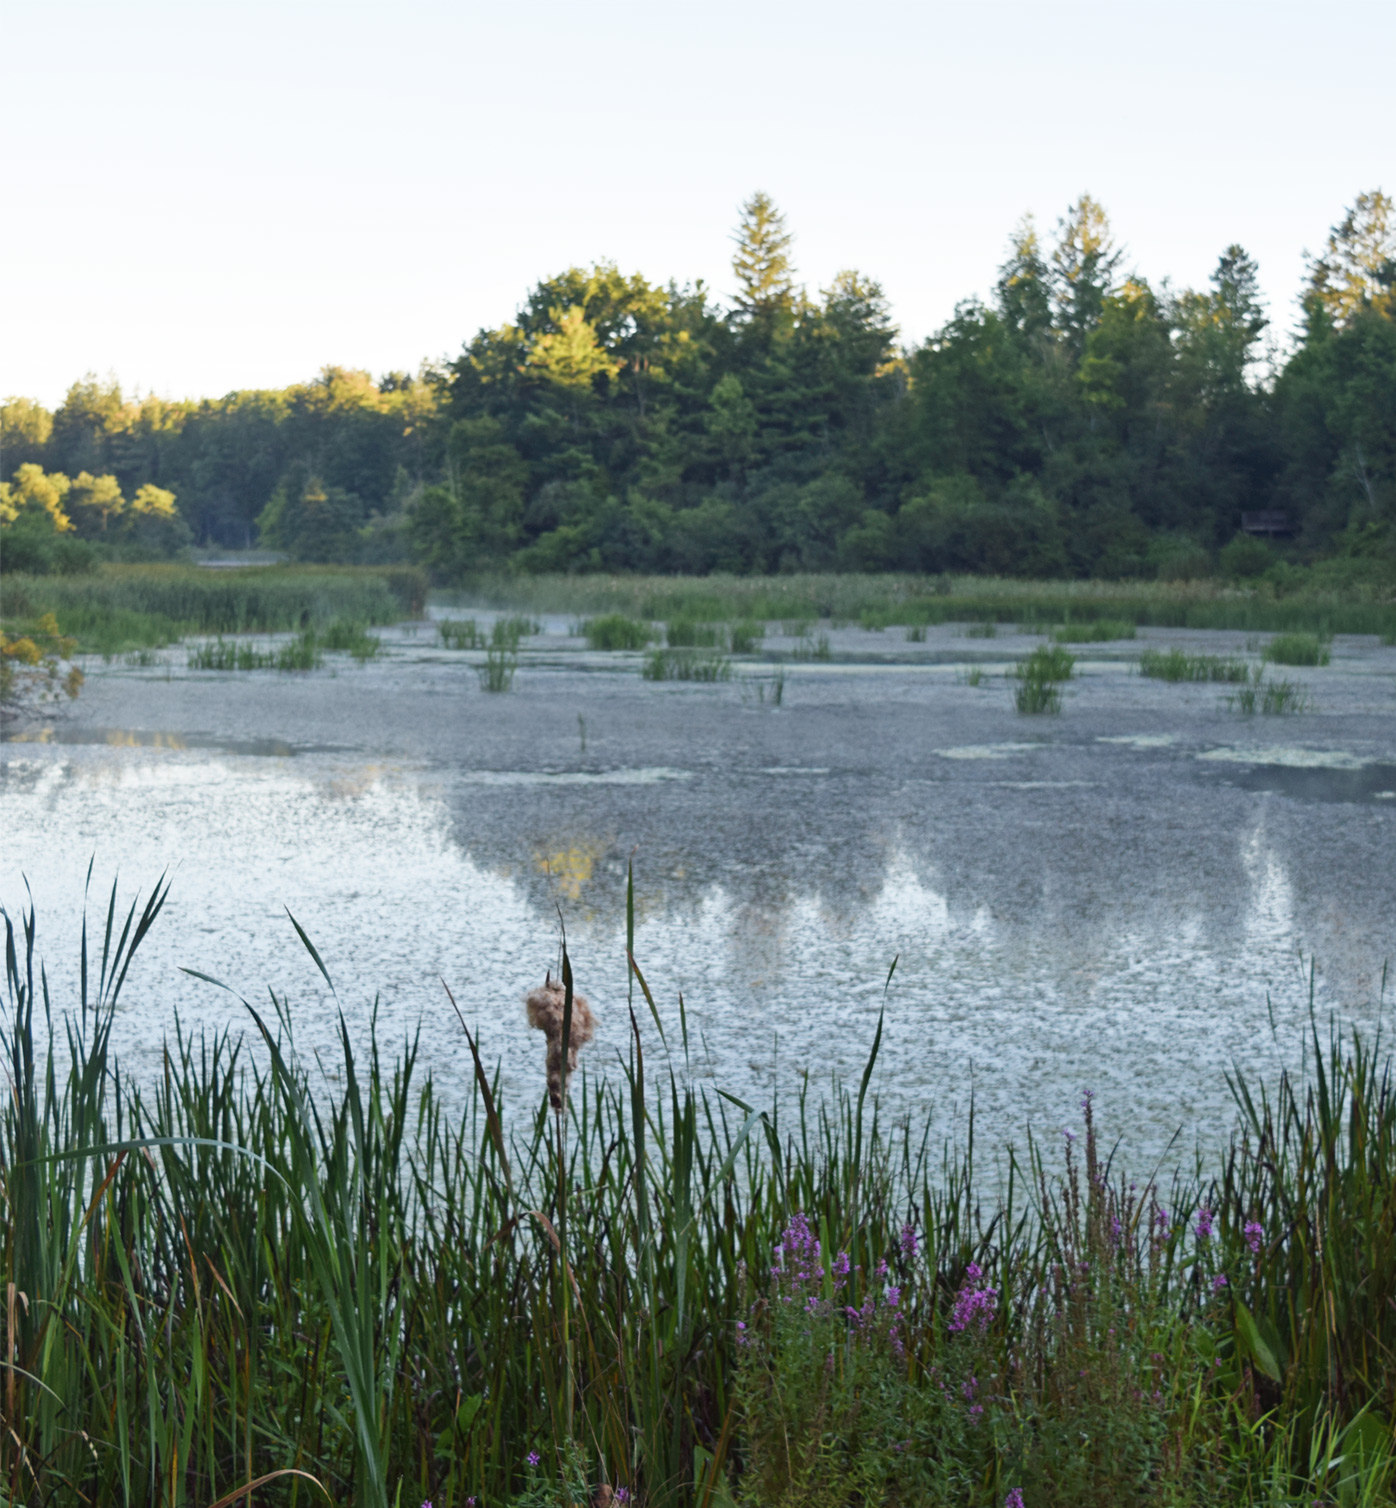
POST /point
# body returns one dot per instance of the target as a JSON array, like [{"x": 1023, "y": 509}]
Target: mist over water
[{"x": 1129, "y": 898}]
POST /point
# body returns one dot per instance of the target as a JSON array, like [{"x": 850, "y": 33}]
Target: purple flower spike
[
  {"x": 1204, "y": 1227},
  {"x": 1014, "y": 1498},
  {"x": 908, "y": 1241},
  {"x": 622, "y": 1494},
  {"x": 1219, "y": 1282},
  {"x": 1254, "y": 1233}
]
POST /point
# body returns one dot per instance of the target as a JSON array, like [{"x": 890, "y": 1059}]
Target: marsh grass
[
  {"x": 120, "y": 608},
  {"x": 916, "y": 633},
  {"x": 1039, "y": 676},
  {"x": 260, "y": 1264},
  {"x": 305, "y": 651},
  {"x": 686, "y": 633},
  {"x": 1269, "y": 698},
  {"x": 507, "y": 632},
  {"x": 460, "y": 633},
  {"x": 811, "y": 647},
  {"x": 1321, "y": 605},
  {"x": 614, "y": 631},
  {"x": 1299, "y": 649},
  {"x": 686, "y": 665},
  {"x": 986, "y": 630},
  {"x": 746, "y": 637},
  {"x": 1175, "y": 665},
  {"x": 1098, "y": 631},
  {"x": 344, "y": 636},
  {"x": 498, "y": 671},
  {"x": 971, "y": 675}
]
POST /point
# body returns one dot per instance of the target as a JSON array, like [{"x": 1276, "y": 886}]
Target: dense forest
[{"x": 1083, "y": 421}]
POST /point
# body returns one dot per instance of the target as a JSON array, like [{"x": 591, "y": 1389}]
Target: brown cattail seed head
[{"x": 545, "y": 1007}]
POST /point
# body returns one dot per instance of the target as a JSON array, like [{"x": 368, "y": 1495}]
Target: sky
[{"x": 204, "y": 196}]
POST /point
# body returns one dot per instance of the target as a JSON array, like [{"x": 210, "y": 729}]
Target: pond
[{"x": 1131, "y": 897}]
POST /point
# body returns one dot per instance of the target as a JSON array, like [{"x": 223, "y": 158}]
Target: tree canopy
[{"x": 1082, "y": 419}]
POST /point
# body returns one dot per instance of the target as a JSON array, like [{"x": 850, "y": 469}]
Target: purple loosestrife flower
[
  {"x": 908, "y": 1241},
  {"x": 1254, "y": 1232},
  {"x": 1014, "y": 1498},
  {"x": 894, "y": 1297},
  {"x": 974, "y": 1300},
  {"x": 841, "y": 1270},
  {"x": 799, "y": 1253},
  {"x": 1203, "y": 1229},
  {"x": 533, "y": 1458},
  {"x": 622, "y": 1494},
  {"x": 1219, "y": 1282}
]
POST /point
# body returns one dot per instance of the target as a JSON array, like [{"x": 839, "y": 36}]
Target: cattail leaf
[
  {"x": 310, "y": 948},
  {"x": 649, "y": 999}
]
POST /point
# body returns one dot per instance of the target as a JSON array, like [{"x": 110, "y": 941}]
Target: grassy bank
[
  {"x": 119, "y": 608},
  {"x": 246, "y": 1271},
  {"x": 883, "y": 601}
]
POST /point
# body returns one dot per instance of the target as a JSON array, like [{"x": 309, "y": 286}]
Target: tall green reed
[{"x": 250, "y": 1265}]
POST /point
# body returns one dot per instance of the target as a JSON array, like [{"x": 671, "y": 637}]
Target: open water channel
[{"x": 1131, "y": 897}]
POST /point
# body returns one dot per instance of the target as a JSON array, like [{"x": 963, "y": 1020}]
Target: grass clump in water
[
  {"x": 460, "y": 633},
  {"x": 746, "y": 637},
  {"x": 614, "y": 631},
  {"x": 811, "y": 647},
  {"x": 1176, "y": 665},
  {"x": 1101, "y": 631},
  {"x": 916, "y": 633},
  {"x": 686, "y": 665},
  {"x": 1299, "y": 649},
  {"x": 986, "y": 630},
  {"x": 1269, "y": 698},
  {"x": 343, "y": 636},
  {"x": 1039, "y": 676},
  {"x": 498, "y": 671},
  {"x": 687, "y": 633}
]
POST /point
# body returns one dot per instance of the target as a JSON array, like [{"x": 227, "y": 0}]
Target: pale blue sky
[{"x": 205, "y": 196}]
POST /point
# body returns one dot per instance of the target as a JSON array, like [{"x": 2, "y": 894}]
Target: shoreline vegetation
[
  {"x": 121, "y": 608},
  {"x": 325, "y": 1282}
]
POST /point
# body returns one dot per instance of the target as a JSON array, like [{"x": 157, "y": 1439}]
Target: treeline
[{"x": 1080, "y": 422}]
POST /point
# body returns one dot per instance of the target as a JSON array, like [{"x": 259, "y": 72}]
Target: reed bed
[
  {"x": 119, "y": 608},
  {"x": 247, "y": 1279},
  {"x": 890, "y": 600}
]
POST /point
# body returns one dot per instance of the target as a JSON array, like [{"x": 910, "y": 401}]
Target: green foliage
[
  {"x": 1347, "y": 604},
  {"x": 616, "y": 631},
  {"x": 686, "y": 665},
  {"x": 1298, "y": 649},
  {"x": 460, "y": 633},
  {"x": 986, "y": 630},
  {"x": 1269, "y": 698},
  {"x": 501, "y": 664},
  {"x": 1100, "y": 631},
  {"x": 1038, "y": 676},
  {"x": 1176, "y": 665},
  {"x": 1080, "y": 423},
  {"x": 382, "y": 1269},
  {"x": 123, "y": 607},
  {"x": 684, "y": 633},
  {"x": 746, "y": 637}
]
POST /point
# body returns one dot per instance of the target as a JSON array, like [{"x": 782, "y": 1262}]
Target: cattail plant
[{"x": 547, "y": 1009}]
